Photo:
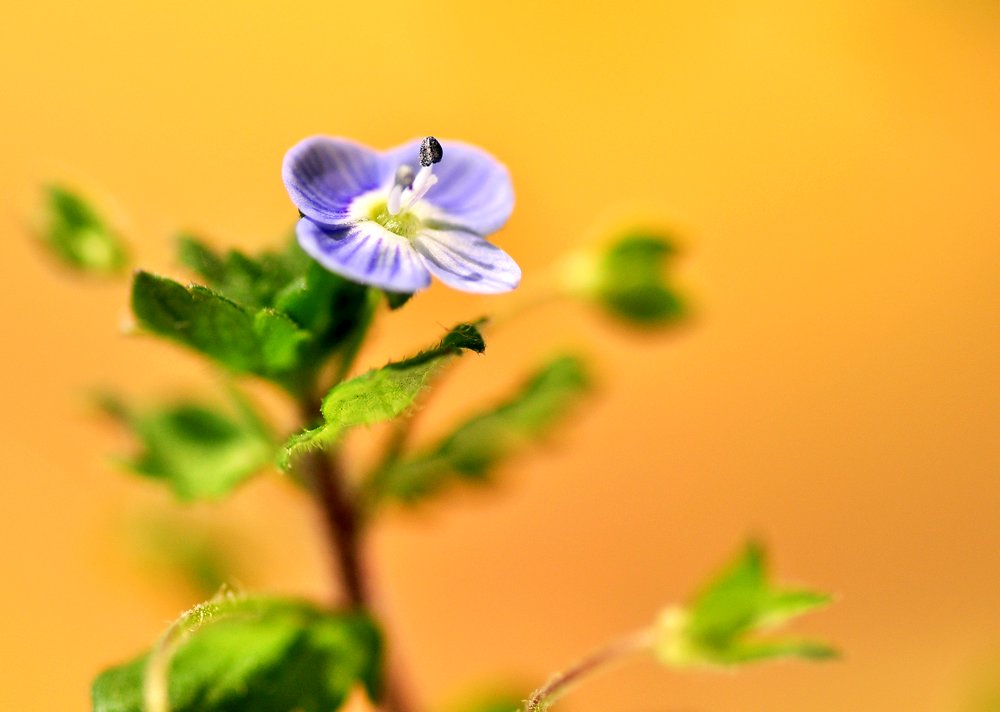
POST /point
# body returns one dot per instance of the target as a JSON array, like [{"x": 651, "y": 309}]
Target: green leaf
[
  {"x": 252, "y": 282},
  {"x": 761, "y": 651},
  {"x": 77, "y": 236},
  {"x": 720, "y": 625},
  {"x": 487, "y": 439},
  {"x": 731, "y": 603},
  {"x": 202, "y": 260},
  {"x": 381, "y": 394},
  {"x": 330, "y": 307},
  {"x": 321, "y": 303},
  {"x": 197, "y": 317},
  {"x": 781, "y": 606},
  {"x": 628, "y": 281},
  {"x": 266, "y": 342},
  {"x": 249, "y": 655},
  {"x": 199, "y": 452},
  {"x": 281, "y": 341}
]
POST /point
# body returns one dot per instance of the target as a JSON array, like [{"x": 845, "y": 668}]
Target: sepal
[{"x": 721, "y": 626}]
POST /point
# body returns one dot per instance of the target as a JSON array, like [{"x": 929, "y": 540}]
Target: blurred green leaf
[
  {"x": 632, "y": 284},
  {"x": 252, "y": 282},
  {"x": 266, "y": 342},
  {"x": 185, "y": 549},
  {"x": 760, "y": 651},
  {"x": 77, "y": 236},
  {"x": 731, "y": 603},
  {"x": 627, "y": 278},
  {"x": 381, "y": 394},
  {"x": 719, "y": 626},
  {"x": 485, "y": 440},
  {"x": 199, "y": 452},
  {"x": 249, "y": 655}
]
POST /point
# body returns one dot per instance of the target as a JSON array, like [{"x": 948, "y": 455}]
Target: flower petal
[
  {"x": 323, "y": 175},
  {"x": 467, "y": 262},
  {"x": 365, "y": 253},
  {"x": 473, "y": 190}
]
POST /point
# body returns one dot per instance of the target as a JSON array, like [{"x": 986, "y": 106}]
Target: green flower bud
[
  {"x": 77, "y": 236},
  {"x": 626, "y": 278}
]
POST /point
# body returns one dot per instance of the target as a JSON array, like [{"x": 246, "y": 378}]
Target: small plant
[{"x": 374, "y": 228}]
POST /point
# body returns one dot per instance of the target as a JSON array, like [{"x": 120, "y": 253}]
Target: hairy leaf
[
  {"x": 251, "y": 655},
  {"x": 266, "y": 342},
  {"x": 488, "y": 438},
  {"x": 320, "y": 302},
  {"x": 78, "y": 237},
  {"x": 381, "y": 394}
]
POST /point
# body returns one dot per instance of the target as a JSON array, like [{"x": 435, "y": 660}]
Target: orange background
[{"x": 834, "y": 168}]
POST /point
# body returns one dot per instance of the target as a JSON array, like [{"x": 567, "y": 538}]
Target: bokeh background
[{"x": 834, "y": 170}]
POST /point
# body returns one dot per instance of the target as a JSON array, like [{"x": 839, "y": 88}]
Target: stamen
[
  {"x": 404, "y": 176},
  {"x": 404, "y": 179},
  {"x": 430, "y": 153},
  {"x": 424, "y": 181}
]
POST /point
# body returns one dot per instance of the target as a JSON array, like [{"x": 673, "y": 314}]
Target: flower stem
[
  {"x": 560, "y": 683},
  {"x": 323, "y": 472}
]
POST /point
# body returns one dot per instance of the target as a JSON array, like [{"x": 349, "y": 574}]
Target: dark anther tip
[{"x": 430, "y": 151}]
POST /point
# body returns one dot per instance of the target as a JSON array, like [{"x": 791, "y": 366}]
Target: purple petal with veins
[
  {"x": 467, "y": 262},
  {"x": 323, "y": 175},
  {"x": 366, "y": 253}
]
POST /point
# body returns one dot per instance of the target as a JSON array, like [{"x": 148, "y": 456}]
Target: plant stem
[
  {"x": 323, "y": 472},
  {"x": 560, "y": 683}
]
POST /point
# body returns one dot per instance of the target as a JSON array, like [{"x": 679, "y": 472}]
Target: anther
[{"x": 430, "y": 151}]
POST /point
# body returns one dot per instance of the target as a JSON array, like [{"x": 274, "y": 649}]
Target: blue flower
[{"x": 393, "y": 219}]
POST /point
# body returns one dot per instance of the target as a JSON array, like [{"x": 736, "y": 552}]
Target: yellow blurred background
[{"x": 834, "y": 167}]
